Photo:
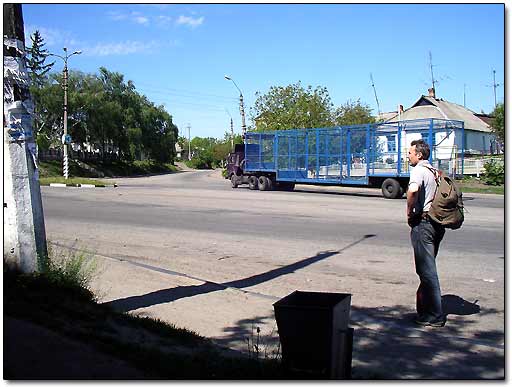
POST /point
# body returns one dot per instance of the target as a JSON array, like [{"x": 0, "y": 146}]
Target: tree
[
  {"x": 37, "y": 71},
  {"x": 353, "y": 113},
  {"x": 106, "y": 112},
  {"x": 292, "y": 107},
  {"x": 36, "y": 58},
  {"x": 498, "y": 123}
]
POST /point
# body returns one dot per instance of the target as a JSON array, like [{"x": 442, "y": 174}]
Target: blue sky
[{"x": 178, "y": 54}]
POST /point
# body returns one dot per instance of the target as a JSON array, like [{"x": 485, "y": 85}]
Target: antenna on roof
[
  {"x": 464, "y": 95},
  {"x": 434, "y": 81},
  {"x": 375, "y": 92}
]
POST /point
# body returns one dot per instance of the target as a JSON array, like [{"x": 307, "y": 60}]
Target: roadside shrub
[
  {"x": 69, "y": 268},
  {"x": 494, "y": 173},
  {"x": 224, "y": 173}
]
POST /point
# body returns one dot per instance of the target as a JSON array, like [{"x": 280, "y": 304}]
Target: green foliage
[
  {"x": 292, "y": 107},
  {"x": 494, "y": 173},
  {"x": 106, "y": 112},
  {"x": 353, "y": 113},
  {"x": 36, "y": 58},
  {"x": 67, "y": 268},
  {"x": 208, "y": 152},
  {"x": 498, "y": 122},
  {"x": 295, "y": 107}
]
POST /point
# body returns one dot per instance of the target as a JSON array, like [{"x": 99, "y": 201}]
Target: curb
[{"x": 62, "y": 185}]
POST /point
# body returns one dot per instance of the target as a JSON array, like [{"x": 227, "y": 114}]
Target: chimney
[
  {"x": 401, "y": 108},
  {"x": 432, "y": 92}
]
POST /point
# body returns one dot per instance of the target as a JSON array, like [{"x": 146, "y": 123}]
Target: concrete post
[{"x": 24, "y": 230}]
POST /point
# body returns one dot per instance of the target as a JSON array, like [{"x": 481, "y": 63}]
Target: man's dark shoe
[{"x": 431, "y": 322}]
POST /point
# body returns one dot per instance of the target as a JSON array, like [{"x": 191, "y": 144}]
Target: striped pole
[{"x": 66, "y": 165}]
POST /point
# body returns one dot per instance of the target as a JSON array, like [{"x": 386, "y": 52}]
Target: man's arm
[{"x": 412, "y": 197}]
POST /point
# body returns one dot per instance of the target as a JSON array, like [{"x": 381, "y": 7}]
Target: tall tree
[
  {"x": 37, "y": 71},
  {"x": 36, "y": 58},
  {"x": 292, "y": 107}
]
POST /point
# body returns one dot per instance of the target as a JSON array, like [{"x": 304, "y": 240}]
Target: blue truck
[{"x": 372, "y": 155}]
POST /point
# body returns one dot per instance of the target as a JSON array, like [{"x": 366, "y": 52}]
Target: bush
[
  {"x": 494, "y": 173},
  {"x": 69, "y": 269}
]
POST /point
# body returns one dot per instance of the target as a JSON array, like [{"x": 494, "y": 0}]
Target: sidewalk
[{"x": 387, "y": 343}]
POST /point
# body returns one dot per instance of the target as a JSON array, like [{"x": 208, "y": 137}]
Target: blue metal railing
[{"x": 349, "y": 154}]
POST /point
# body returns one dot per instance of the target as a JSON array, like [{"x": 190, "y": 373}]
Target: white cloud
[
  {"x": 134, "y": 17},
  {"x": 120, "y": 48},
  {"x": 190, "y": 21},
  {"x": 163, "y": 21},
  {"x": 54, "y": 39},
  {"x": 141, "y": 20}
]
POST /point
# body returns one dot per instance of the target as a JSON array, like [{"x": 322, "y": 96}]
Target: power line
[{"x": 184, "y": 93}]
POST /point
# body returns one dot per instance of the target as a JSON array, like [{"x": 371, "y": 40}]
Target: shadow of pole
[{"x": 173, "y": 294}]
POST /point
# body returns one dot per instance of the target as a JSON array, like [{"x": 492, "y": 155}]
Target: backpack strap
[{"x": 435, "y": 172}]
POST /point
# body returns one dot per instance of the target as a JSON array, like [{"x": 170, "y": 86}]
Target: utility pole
[
  {"x": 495, "y": 85},
  {"x": 65, "y": 138},
  {"x": 189, "y": 155},
  {"x": 232, "y": 132},
  {"x": 232, "y": 136},
  {"x": 242, "y": 110},
  {"x": 24, "y": 231}
]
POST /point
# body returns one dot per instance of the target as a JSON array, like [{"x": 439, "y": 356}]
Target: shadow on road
[
  {"x": 173, "y": 294},
  {"x": 388, "y": 345}
]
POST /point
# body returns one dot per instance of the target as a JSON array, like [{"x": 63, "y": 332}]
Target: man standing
[{"x": 426, "y": 235}]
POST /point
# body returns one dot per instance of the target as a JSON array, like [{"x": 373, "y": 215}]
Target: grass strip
[{"x": 73, "y": 181}]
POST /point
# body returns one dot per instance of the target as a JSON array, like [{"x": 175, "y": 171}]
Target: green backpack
[{"x": 447, "y": 207}]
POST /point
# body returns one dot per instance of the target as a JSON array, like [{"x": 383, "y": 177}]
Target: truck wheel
[
  {"x": 263, "y": 183},
  {"x": 253, "y": 182},
  {"x": 391, "y": 189},
  {"x": 234, "y": 181}
]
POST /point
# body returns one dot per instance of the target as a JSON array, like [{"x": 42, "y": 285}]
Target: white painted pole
[{"x": 24, "y": 231}]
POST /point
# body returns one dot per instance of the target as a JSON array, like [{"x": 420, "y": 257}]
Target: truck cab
[{"x": 235, "y": 161}]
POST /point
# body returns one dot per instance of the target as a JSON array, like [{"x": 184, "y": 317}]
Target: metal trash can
[{"x": 315, "y": 339}]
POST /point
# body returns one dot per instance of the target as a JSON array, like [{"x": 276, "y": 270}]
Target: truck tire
[
  {"x": 264, "y": 183},
  {"x": 234, "y": 181},
  {"x": 391, "y": 189},
  {"x": 253, "y": 182}
]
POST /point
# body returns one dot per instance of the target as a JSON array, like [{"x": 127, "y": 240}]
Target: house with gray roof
[{"x": 478, "y": 136}]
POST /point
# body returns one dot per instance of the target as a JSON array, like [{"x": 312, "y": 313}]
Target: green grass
[
  {"x": 72, "y": 181},
  {"x": 99, "y": 169},
  {"x": 473, "y": 185}
]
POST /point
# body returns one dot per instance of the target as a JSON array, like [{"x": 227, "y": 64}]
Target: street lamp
[
  {"x": 242, "y": 111},
  {"x": 65, "y": 87}
]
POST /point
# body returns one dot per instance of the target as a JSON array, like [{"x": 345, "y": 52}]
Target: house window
[{"x": 391, "y": 143}]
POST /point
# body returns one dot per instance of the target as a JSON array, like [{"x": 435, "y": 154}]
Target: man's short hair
[{"x": 422, "y": 147}]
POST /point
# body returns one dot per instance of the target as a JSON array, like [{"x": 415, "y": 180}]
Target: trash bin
[{"x": 315, "y": 339}]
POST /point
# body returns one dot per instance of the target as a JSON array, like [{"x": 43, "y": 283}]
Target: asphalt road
[{"x": 191, "y": 250}]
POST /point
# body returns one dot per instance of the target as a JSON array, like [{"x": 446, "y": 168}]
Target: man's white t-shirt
[{"x": 426, "y": 182}]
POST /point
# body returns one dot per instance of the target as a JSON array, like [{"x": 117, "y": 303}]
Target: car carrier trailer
[{"x": 371, "y": 155}]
